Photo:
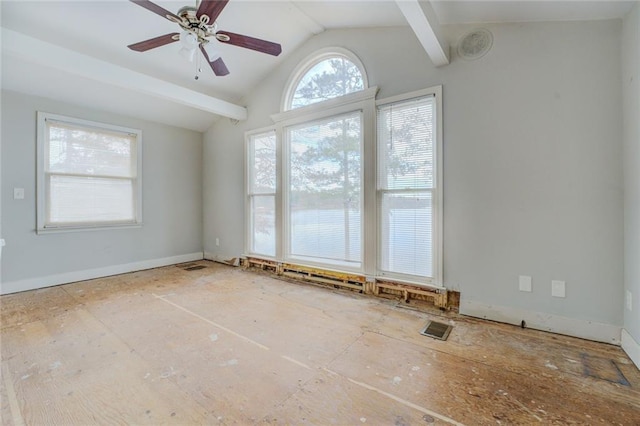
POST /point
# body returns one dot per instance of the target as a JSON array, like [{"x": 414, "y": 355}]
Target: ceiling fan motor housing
[{"x": 190, "y": 22}]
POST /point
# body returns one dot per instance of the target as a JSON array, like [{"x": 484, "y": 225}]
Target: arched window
[
  {"x": 308, "y": 176},
  {"x": 326, "y": 75}
]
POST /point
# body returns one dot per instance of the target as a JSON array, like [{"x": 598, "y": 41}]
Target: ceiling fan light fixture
[
  {"x": 212, "y": 53},
  {"x": 189, "y": 43},
  {"x": 188, "y": 54},
  {"x": 188, "y": 40}
]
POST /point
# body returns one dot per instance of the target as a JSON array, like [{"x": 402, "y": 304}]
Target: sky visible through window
[{"x": 328, "y": 79}]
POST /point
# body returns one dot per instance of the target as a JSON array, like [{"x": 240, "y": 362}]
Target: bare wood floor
[{"x": 224, "y": 346}]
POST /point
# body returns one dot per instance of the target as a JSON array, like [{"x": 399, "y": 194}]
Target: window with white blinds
[
  {"x": 324, "y": 214},
  {"x": 261, "y": 192},
  {"x": 407, "y": 187},
  {"x": 88, "y": 174},
  {"x": 359, "y": 179}
]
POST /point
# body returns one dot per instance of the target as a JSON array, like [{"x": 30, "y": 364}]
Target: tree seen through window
[{"x": 328, "y": 79}]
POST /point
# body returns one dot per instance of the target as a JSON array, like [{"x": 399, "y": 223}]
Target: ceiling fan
[{"x": 199, "y": 29}]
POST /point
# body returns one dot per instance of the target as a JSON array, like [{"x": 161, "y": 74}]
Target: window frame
[
  {"x": 362, "y": 100},
  {"x": 437, "y": 192},
  {"x": 248, "y": 238},
  {"x": 366, "y": 102},
  {"x": 287, "y": 254},
  {"x": 43, "y": 190},
  {"x": 309, "y": 62}
]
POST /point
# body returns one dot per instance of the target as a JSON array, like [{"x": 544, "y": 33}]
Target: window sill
[
  {"x": 102, "y": 227},
  {"x": 409, "y": 280},
  {"x": 332, "y": 266}
]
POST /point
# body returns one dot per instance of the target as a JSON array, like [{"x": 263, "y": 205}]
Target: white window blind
[
  {"x": 325, "y": 190},
  {"x": 262, "y": 193},
  {"x": 406, "y": 186},
  {"x": 89, "y": 174}
]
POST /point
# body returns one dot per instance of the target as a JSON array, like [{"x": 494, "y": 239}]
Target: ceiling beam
[
  {"x": 47, "y": 54},
  {"x": 424, "y": 22}
]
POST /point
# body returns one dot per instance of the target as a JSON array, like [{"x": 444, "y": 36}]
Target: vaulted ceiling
[{"x": 75, "y": 51}]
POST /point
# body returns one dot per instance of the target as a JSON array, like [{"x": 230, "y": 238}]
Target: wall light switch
[
  {"x": 628, "y": 303},
  {"x": 558, "y": 288},
  {"x": 524, "y": 283},
  {"x": 18, "y": 193}
]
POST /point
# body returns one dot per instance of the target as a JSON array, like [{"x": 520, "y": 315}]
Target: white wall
[
  {"x": 533, "y": 165},
  {"x": 631, "y": 101},
  {"x": 533, "y": 177},
  {"x": 172, "y": 202}
]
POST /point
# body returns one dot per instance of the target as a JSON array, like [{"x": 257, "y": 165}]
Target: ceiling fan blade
[
  {"x": 240, "y": 40},
  {"x": 143, "y": 46},
  {"x": 211, "y": 8},
  {"x": 218, "y": 66},
  {"x": 157, "y": 10}
]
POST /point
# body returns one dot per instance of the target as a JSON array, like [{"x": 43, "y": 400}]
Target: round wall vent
[{"x": 475, "y": 44}]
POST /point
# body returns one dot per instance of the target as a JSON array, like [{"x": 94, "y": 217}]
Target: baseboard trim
[
  {"x": 89, "y": 274},
  {"x": 631, "y": 347},
  {"x": 233, "y": 261},
  {"x": 584, "y": 329}
]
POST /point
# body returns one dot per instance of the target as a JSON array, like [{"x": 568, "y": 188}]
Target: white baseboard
[
  {"x": 631, "y": 347},
  {"x": 233, "y": 261},
  {"x": 584, "y": 329},
  {"x": 88, "y": 274}
]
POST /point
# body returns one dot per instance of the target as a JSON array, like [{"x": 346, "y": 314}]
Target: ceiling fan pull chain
[{"x": 198, "y": 66}]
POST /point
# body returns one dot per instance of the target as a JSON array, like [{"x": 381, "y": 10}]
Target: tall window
[
  {"x": 361, "y": 178},
  {"x": 88, "y": 174},
  {"x": 406, "y": 186},
  {"x": 325, "y": 191},
  {"x": 262, "y": 193}
]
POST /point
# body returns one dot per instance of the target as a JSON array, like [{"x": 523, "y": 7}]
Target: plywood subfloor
[{"x": 220, "y": 345}]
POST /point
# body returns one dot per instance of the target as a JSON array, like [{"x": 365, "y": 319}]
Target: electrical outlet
[
  {"x": 558, "y": 288},
  {"x": 217, "y": 242},
  {"x": 524, "y": 283},
  {"x": 628, "y": 299},
  {"x": 18, "y": 193}
]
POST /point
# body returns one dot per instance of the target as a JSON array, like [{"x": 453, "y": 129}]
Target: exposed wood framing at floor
[
  {"x": 218, "y": 345},
  {"x": 441, "y": 298}
]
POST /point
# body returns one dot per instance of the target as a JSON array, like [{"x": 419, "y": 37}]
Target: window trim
[
  {"x": 438, "y": 191},
  {"x": 309, "y": 62},
  {"x": 41, "y": 180}
]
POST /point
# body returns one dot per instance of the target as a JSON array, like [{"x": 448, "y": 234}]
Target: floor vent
[
  {"x": 437, "y": 330},
  {"x": 194, "y": 268}
]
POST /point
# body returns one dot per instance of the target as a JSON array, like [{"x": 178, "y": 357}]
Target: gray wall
[
  {"x": 532, "y": 161},
  {"x": 172, "y": 197},
  {"x": 631, "y": 97}
]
